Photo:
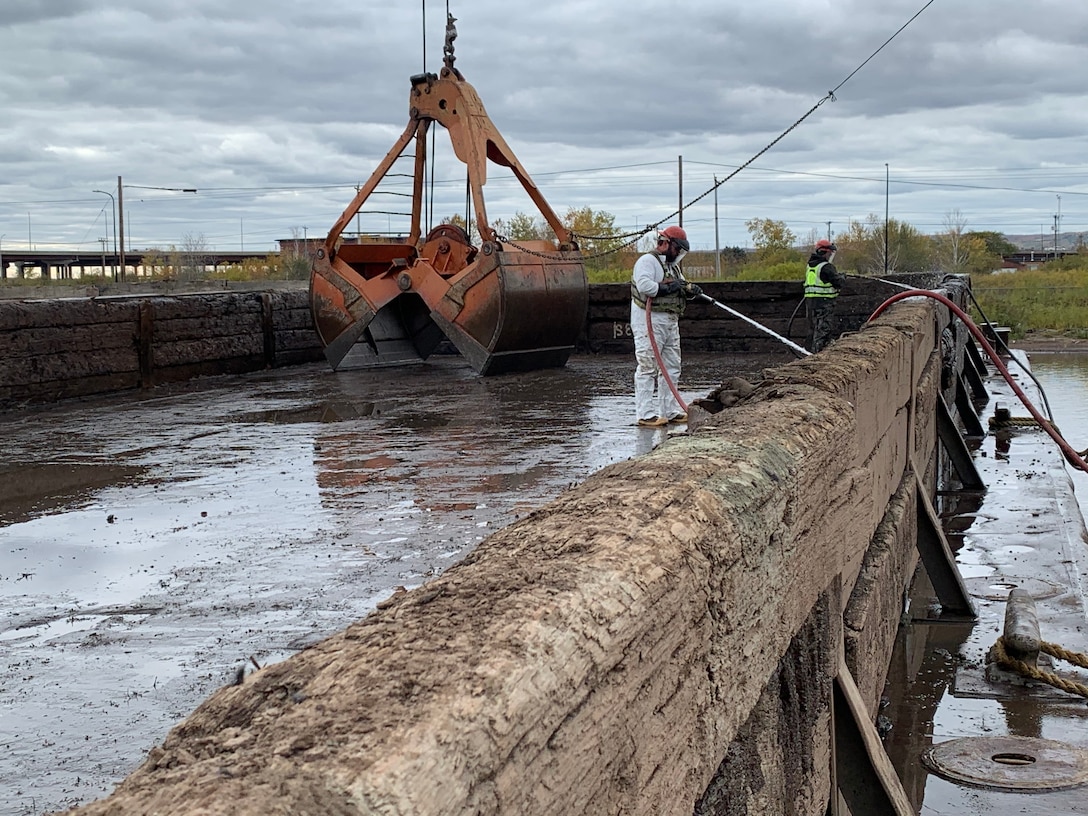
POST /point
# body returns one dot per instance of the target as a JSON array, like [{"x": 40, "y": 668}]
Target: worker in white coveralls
[{"x": 657, "y": 277}]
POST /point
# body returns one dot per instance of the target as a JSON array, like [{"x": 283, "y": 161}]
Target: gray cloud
[{"x": 275, "y": 111}]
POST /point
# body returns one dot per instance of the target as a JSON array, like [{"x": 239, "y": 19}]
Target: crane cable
[{"x": 830, "y": 95}]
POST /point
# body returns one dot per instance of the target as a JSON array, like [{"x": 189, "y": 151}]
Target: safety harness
[{"x": 672, "y": 304}]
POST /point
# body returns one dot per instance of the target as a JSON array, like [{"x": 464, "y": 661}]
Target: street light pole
[
  {"x": 120, "y": 230},
  {"x": 113, "y": 201},
  {"x": 121, "y": 213},
  {"x": 3, "y": 269}
]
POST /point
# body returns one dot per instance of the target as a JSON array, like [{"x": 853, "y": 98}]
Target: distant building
[
  {"x": 1030, "y": 259},
  {"x": 308, "y": 246}
]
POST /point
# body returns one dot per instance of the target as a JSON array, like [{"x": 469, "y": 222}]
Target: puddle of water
[
  {"x": 937, "y": 681},
  {"x": 29, "y": 489},
  {"x": 255, "y": 515}
]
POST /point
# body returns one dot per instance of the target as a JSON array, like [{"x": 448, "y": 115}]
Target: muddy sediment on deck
[{"x": 162, "y": 539}]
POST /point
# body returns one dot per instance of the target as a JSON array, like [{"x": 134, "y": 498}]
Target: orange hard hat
[
  {"x": 823, "y": 247},
  {"x": 677, "y": 235}
]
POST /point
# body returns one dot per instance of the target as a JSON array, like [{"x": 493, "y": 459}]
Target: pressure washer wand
[{"x": 799, "y": 349}]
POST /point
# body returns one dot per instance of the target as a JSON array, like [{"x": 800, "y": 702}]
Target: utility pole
[
  {"x": 829, "y": 230},
  {"x": 121, "y": 219},
  {"x": 680, "y": 169},
  {"x": 886, "y": 185},
  {"x": 359, "y": 229},
  {"x": 1057, "y": 225},
  {"x": 717, "y": 245}
]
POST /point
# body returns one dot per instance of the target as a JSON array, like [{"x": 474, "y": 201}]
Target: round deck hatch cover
[
  {"x": 997, "y": 587},
  {"x": 1009, "y": 763}
]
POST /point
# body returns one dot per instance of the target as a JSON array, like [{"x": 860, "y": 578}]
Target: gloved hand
[
  {"x": 669, "y": 286},
  {"x": 692, "y": 290}
]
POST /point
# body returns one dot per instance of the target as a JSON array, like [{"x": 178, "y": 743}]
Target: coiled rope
[
  {"x": 1007, "y": 661},
  {"x": 1016, "y": 422}
]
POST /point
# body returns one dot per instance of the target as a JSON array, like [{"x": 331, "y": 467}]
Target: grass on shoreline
[{"x": 1051, "y": 301}]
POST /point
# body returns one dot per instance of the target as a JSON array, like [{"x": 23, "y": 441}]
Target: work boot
[
  {"x": 653, "y": 422},
  {"x": 679, "y": 419}
]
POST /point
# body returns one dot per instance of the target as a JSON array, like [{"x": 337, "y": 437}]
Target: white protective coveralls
[{"x": 653, "y": 397}]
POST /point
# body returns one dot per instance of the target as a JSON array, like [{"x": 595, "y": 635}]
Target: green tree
[
  {"x": 981, "y": 261},
  {"x": 908, "y": 249},
  {"x": 594, "y": 228},
  {"x": 773, "y": 240},
  {"x": 155, "y": 264},
  {"x": 522, "y": 227},
  {"x": 952, "y": 247},
  {"x": 296, "y": 257},
  {"x": 854, "y": 248},
  {"x": 733, "y": 259},
  {"x": 996, "y": 242},
  {"x": 862, "y": 247}
]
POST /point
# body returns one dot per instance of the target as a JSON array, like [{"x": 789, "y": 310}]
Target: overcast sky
[{"x": 273, "y": 111}]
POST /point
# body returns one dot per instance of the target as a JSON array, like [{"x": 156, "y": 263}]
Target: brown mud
[{"x": 157, "y": 546}]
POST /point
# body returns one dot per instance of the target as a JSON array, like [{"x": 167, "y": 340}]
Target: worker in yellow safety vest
[{"x": 822, "y": 284}]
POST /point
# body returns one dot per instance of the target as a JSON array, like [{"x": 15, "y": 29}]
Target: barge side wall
[{"x": 77, "y": 347}]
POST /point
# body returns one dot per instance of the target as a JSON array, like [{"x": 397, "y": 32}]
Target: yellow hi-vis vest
[{"x": 817, "y": 287}]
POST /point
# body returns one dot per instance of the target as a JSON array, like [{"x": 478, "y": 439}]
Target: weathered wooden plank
[
  {"x": 208, "y": 350},
  {"x": 45, "y": 340},
  {"x": 183, "y": 329},
  {"x": 18, "y": 315}
]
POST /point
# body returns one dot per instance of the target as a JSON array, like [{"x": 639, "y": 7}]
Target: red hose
[
  {"x": 657, "y": 356},
  {"x": 1071, "y": 456}
]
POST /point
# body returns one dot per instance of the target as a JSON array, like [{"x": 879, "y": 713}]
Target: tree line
[{"x": 870, "y": 247}]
